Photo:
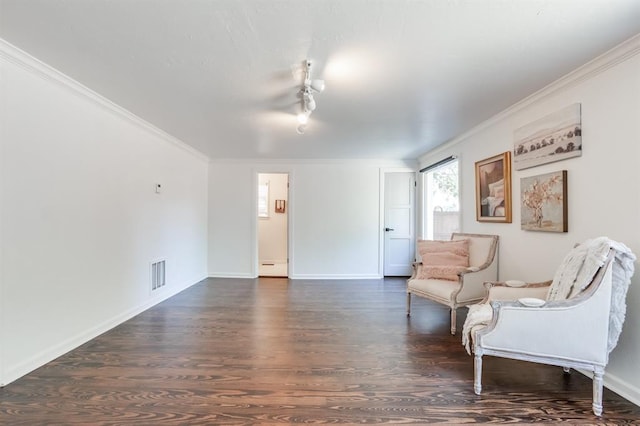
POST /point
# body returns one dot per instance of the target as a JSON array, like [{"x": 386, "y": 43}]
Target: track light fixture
[{"x": 309, "y": 87}]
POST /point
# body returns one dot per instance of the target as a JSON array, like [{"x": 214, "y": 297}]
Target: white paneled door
[{"x": 399, "y": 223}]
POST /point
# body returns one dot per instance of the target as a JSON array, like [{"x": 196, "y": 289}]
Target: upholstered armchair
[
  {"x": 573, "y": 321},
  {"x": 446, "y": 275}
]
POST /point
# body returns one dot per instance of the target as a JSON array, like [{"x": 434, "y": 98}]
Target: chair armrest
[
  {"x": 568, "y": 329},
  {"x": 502, "y": 290},
  {"x": 415, "y": 266},
  {"x": 471, "y": 282},
  {"x": 510, "y": 284}
]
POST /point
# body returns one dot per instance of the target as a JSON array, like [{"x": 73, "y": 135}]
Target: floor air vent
[{"x": 158, "y": 275}]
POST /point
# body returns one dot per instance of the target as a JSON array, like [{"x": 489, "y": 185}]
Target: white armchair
[
  {"x": 573, "y": 321},
  {"x": 467, "y": 288}
]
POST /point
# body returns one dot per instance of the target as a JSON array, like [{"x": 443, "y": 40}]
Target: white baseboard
[
  {"x": 334, "y": 277},
  {"x": 301, "y": 276},
  {"x": 14, "y": 372},
  {"x": 619, "y": 386},
  {"x": 231, "y": 275},
  {"x": 622, "y": 388}
]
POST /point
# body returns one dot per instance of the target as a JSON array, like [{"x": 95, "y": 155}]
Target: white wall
[
  {"x": 80, "y": 219},
  {"x": 603, "y": 184},
  {"x": 232, "y": 220},
  {"x": 334, "y": 217}
]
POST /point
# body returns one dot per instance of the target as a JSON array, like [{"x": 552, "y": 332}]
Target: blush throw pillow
[{"x": 443, "y": 259}]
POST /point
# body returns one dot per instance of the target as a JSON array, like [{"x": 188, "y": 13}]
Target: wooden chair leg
[
  {"x": 453, "y": 321},
  {"x": 477, "y": 373},
  {"x": 598, "y": 377},
  {"x": 408, "y": 304}
]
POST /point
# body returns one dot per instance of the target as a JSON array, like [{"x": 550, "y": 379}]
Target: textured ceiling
[{"x": 402, "y": 76}]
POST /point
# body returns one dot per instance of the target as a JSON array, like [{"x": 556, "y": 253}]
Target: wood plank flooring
[{"x": 272, "y": 351}]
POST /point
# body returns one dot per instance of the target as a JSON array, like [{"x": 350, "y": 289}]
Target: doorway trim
[
  {"x": 255, "y": 252},
  {"x": 381, "y": 232}
]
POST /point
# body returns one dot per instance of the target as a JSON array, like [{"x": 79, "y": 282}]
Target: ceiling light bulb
[{"x": 303, "y": 118}]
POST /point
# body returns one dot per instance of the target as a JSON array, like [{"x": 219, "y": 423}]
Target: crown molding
[
  {"x": 598, "y": 65},
  {"x": 22, "y": 59},
  {"x": 318, "y": 161}
]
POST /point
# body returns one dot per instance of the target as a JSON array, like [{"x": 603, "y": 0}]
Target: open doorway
[{"x": 273, "y": 213}]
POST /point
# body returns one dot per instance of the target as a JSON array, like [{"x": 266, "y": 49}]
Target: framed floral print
[{"x": 544, "y": 202}]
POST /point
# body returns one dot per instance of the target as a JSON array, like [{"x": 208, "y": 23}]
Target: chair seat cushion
[
  {"x": 443, "y": 259},
  {"x": 435, "y": 288}
]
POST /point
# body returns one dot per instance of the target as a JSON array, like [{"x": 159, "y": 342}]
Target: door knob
[{"x": 388, "y": 229}]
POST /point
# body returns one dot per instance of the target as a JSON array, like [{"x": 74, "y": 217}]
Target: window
[
  {"x": 441, "y": 200},
  {"x": 263, "y": 200}
]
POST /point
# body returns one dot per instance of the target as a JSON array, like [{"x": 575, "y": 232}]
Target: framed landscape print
[
  {"x": 552, "y": 138},
  {"x": 544, "y": 202},
  {"x": 493, "y": 189}
]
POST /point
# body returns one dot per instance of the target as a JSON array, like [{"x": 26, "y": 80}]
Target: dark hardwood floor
[{"x": 272, "y": 351}]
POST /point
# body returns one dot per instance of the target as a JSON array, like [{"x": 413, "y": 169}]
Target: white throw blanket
[
  {"x": 479, "y": 315},
  {"x": 574, "y": 274}
]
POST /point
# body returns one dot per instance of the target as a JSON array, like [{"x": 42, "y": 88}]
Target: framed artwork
[
  {"x": 555, "y": 137},
  {"x": 544, "y": 202},
  {"x": 493, "y": 189}
]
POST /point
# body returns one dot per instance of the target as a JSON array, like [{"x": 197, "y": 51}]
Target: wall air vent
[{"x": 158, "y": 279}]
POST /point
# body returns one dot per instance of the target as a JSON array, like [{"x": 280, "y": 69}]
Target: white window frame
[{"x": 427, "y": 216}]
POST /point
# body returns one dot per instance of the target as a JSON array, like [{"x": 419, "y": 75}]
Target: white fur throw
[
  {"x": 623, "y": 269},
  {"x": 574, "y": 274}
]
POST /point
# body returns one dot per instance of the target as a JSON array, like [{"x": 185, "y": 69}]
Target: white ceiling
[{"x": 402, "y": 76}]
